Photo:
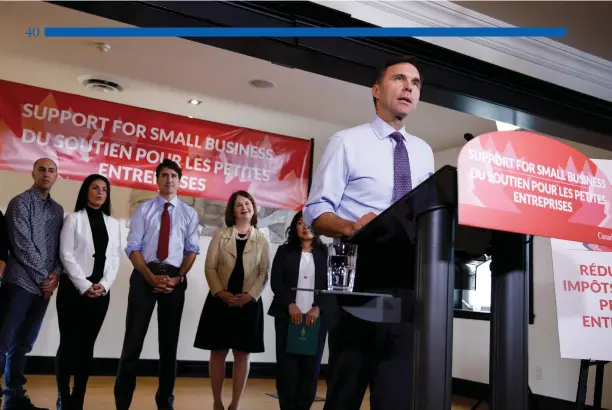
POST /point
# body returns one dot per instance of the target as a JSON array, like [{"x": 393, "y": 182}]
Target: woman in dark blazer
[{"x": 300, "y": 262}]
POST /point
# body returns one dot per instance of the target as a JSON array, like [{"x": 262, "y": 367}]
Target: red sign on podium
[{"x": 523, "y": 182}]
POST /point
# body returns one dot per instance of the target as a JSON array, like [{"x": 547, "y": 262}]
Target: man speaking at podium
[{"x": 362, "y": 172}]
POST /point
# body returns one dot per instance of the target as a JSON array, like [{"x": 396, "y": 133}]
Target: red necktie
[{"x": 164, "y": 234}]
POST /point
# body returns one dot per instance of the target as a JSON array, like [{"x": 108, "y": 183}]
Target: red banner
[
  {"x": 125, "y": 144},
  {"x": 522, "y": 182}
]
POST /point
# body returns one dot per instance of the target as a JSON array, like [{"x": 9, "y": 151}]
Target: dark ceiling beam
[{"x": 451, "y": 79}]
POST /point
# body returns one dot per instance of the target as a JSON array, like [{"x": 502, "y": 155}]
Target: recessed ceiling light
[
  {"x": 261, "y": 83},
  {"x": 195, "y": 102}
]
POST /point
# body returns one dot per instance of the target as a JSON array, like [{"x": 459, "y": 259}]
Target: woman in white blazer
[{"x": 90, "y": 247}]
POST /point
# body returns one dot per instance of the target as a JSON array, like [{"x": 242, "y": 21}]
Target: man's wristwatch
[{"x": 182, "y": 277}]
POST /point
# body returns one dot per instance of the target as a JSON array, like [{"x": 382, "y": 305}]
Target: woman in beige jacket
[{"x": 237, "y": 270}]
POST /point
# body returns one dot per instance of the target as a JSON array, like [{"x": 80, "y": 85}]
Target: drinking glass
[{"x": 341, "y": 264}]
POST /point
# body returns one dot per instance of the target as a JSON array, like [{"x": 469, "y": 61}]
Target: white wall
[{"x": 471, "y": 337}]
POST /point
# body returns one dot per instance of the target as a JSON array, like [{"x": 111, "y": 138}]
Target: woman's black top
[{"x": 100, "y": 239}]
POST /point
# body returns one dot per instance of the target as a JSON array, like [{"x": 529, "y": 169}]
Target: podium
[{"x": 410, "y": 277}]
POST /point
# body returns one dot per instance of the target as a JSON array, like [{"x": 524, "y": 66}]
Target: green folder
[{"x": 302, "y": 339}]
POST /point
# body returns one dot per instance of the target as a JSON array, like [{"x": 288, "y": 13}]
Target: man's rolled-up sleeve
[
  {"x": 329, "y": 182},
  {"x": 192, "y": 238},
  {"x": 135, "y": 237}
]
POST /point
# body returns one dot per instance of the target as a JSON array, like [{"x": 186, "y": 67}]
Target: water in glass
[{"x": 341, "y": 264}]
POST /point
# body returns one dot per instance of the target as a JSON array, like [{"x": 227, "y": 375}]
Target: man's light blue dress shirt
[
  {"x": 145, "y": 225},
  {"x": 355, "y": 174}
]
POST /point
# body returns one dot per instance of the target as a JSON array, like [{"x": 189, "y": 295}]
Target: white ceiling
[{"x": 187, "y": 70}]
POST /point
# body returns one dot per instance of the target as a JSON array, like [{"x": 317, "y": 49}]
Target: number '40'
[{"x": 33, "y": 32}]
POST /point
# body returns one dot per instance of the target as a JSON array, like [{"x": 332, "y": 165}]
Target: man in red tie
[{"x": 162, "y": 244}]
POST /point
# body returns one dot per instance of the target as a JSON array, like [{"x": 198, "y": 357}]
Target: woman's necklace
[{"x": 242, "y": 235}]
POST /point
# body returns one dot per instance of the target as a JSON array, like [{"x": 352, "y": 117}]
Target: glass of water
[{"x": 341, "y": 264}]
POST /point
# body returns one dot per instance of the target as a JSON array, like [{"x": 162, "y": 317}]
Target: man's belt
[{"x": 163, "y": 269}]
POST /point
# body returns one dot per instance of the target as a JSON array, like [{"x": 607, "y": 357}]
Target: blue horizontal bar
[{"x": 305, "y": 32}]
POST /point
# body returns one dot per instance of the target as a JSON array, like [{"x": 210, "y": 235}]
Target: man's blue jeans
[{"x": 21, "y": 321}]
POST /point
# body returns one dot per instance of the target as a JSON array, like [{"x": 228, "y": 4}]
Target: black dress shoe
[{"x": 20, "y": 403}]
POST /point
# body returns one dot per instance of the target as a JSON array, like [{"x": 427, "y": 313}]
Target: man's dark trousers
[
  {"x": 141, "y": 302},
  {"x": 23, "y": 314},
  {"x": 378, "y": 355}
]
